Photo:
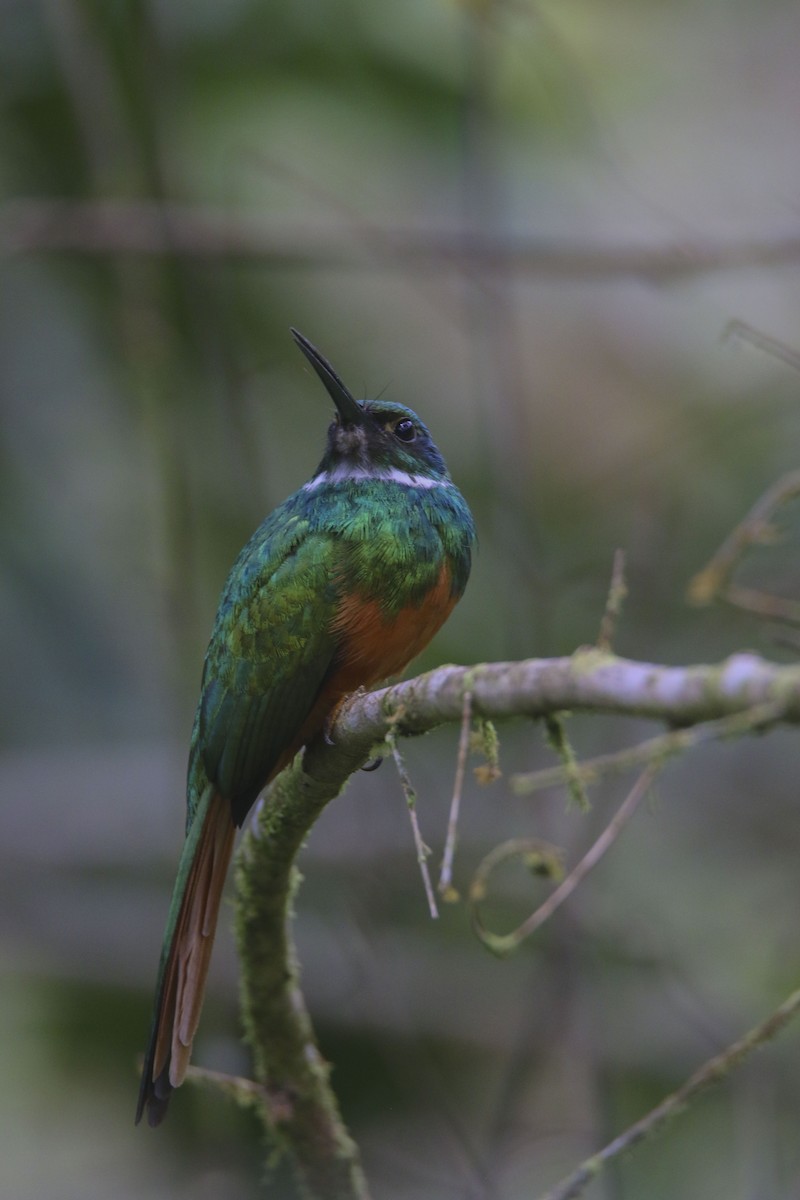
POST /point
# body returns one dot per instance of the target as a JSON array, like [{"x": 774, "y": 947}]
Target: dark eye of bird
[{"x": 405, "y": 430}]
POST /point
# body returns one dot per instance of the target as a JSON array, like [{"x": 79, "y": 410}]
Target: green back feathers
[{"x": 272, "y": 646}]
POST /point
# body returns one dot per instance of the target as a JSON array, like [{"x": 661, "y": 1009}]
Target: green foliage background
[{"x": 153, "y": 408}]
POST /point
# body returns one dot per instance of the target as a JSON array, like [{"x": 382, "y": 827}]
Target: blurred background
[{"x": 532, "y": 222}]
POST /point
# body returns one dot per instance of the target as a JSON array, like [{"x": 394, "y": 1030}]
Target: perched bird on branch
[{"x": 339, "y": 588}]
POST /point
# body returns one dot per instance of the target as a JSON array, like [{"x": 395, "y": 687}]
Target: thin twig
[
  {"x": 503, "y": 944},
  {"x": 617, "y": 592},
  {"x": 755, "y": 529},
  {"x": 423, "y": 852},
  {"x": 712, "y": 1072},
  {"x": 446, "y": 873},
  {"x": 743, "y": 332},
  {"x": 762, "y": 604},
  {"x": 659, "y": 748},
  {"x": 244, "y": 1091}
]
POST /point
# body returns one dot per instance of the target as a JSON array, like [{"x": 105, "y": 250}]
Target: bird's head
[{"x": 372, "y": 437}]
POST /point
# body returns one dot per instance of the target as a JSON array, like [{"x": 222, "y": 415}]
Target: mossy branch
[{"x": 298, "y": 1105}]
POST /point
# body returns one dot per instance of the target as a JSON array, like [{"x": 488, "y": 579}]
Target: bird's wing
[{"x": 271, "y": 649}]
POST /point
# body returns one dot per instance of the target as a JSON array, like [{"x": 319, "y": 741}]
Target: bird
[{"x": 338, "y": 589}]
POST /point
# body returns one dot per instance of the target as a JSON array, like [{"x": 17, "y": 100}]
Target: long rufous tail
[{"x": 186, "y": 953}]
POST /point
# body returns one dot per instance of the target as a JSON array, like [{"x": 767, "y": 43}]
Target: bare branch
[
  {"x": 36, "y": 224},
  {"x": 587, "y": 681},
  {"x": 657, "y": 749},
  {"x": 423, "y": 853},
  {"x": 446, "y": 874},
  {"x": 712, "y": 1072},
  {"x": 503, "y": 944},
  {"x": 713, "y": 581},
  {"x": 741, "y": 331},
  {"x": 617, "y": 591}
]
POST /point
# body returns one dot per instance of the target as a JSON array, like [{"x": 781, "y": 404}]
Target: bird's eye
[{"x": 405, "y": 430}]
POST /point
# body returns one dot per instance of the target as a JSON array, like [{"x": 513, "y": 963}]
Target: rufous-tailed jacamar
[{"x": 340, "y": 587}]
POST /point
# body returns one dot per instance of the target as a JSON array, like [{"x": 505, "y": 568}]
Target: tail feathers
[{"x": 186, "y": 954}]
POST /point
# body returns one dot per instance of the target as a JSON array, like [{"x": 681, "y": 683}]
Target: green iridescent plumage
[{"x": 272, "y": 645}]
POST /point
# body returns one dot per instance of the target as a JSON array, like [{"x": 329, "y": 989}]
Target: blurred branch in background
[{"x": 119, "y": 227}]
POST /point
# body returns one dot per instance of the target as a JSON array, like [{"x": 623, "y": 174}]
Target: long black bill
[{"x": 348, "y": 407}]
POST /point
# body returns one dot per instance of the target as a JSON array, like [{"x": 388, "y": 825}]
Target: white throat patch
[{"x": 346, "y": 474}]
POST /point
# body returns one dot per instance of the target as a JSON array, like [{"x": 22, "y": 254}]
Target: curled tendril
[{"x": 541, "y": 859}]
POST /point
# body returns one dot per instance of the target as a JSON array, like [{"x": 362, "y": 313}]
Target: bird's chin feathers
[{"x": 351, "y": 442}]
